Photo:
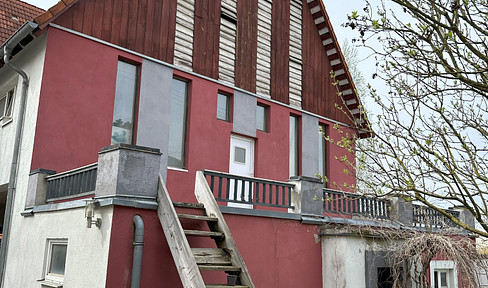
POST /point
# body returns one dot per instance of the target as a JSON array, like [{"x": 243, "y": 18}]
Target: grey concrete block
[
  {"x": 154, "y": 109},
  {"x": 307, "y": 196},
  {"x": 310, "y": 145},
  {"x": 37, "y": 187},
  {"x": 128, "y": 170},
  {"x": 244, "y": 118}
]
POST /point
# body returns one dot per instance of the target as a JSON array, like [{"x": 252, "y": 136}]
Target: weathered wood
[
  {"x": 224, "y": 286},
  {"x": 197, "y": 217},
  {"x": 215, "y": 256},
  {"x": 225, "y": 268},
  {"x": 280, "y": 47},
  {"x": 188, "y": 205},
  {"x": 263, "y": 64},
  {"x": 183, "y": 51},
  {"x": 205, "y": 196},
  {"x": 178, "y": 244},
  {"x": 200, "y": 233}
]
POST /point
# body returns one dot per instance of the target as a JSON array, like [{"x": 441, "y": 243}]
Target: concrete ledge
[
  {"x": 259, "y": 213},
  {"x": 119, "y": 200}
]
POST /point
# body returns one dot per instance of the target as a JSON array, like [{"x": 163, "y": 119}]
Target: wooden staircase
[{"x": 190, "y": 262}]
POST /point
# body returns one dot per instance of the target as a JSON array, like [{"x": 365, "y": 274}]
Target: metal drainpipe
[
  {"x": 137, "y": 258},
  {"x": 23, "y": 32}
]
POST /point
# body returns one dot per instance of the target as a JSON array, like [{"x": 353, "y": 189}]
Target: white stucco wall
[
  {"x": 87, "y": 253},
  {"x": 343, "y": 262},
  {"x": 31, "y": 60}
]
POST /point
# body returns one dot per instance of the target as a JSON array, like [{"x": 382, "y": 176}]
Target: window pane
[
  {"x": 58, "y": 259},
  {"x": 125, "y": 93},
  {"x": 322, "y": 152},
  {"x": 240, "y": 155},
  {"x": 177, "y": 129},
  {"x": 443, "y": 279},
  {"x": 2, "y": 106},
  {"x": 9, "y": 103},
  {"x": 223, "y": 106},
  {"x": 293, "y": 146},
  {"x": 262, "y": 118}
]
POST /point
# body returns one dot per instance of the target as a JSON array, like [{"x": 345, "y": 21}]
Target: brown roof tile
[{"x": 14, "y": 13}]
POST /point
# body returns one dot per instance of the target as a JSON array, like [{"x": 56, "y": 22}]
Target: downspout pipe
[
  {"x": 138, "y": 244},
  {"x": 8, "y": 47}
]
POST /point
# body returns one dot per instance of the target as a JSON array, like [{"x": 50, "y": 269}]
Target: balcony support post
[{"x": 307, "y": 196}]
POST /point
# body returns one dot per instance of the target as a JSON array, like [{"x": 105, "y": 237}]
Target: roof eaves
[
  {"x": 52, "y": 13},
  {"x": 345, "y": 83}
]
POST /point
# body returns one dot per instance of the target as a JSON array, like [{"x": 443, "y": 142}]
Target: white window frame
[
  {"x": 444, "y": 266},
  {"x": 4, "y": 118},
  {"x": 52, "y": 279}
]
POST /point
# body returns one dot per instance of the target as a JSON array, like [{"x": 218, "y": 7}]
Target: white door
[{"x": 241, "y": 163}]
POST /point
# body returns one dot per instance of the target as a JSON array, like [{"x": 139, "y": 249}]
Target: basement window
[{"x": 55, "y": 263}]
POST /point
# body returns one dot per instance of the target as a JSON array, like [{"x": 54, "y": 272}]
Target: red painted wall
[
  {"x": 76, "y": 104},
  {"x": 208, "y": 142},
  {"x": 278, "y": 253}
]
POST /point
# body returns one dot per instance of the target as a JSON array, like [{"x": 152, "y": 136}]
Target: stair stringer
[
  {"x": 205, "y": 196},
  {"x": 180, "y": 248}
]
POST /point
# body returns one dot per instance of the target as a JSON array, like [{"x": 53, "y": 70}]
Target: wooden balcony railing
[
  {"x": 427, "y": 217},
  {"x": 77, "y": 182},
  {"x": 354, "y": 204},
  {"x": 247, "y": 190}
]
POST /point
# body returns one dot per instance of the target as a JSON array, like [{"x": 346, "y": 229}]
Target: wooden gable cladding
[
  {"x": 280, "y": 51},
  {"x": 247, "y": 31},
  {"x": 144, "y": 26},
  {"x": 319, "y": 95},
  {"x": 206, "y": 38}
]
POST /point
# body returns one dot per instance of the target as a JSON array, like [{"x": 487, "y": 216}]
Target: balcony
[{"x": 116, "y": 174}]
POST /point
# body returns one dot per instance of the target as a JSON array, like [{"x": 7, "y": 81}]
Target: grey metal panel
[
  {"x": 154, "y": 109},
  {"x": 244, "y": 114},
  {"x": 310, "y": 145}
]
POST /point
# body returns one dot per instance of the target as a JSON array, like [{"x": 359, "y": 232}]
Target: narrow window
[
  {"x": 56, "y": 260},
  {"x": 262, "y": 118},
  {"x": 223, "y": 107},
  {"x": 6, "y": 104},
  {"x": 323, "y": 153},
  {"x": 125, "y": 98},
  {"x": 177, "y": 129},
  {"x": 294, "y": 145}
]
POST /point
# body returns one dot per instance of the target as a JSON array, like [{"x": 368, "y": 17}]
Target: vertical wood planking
[
  {"x": 227, "y": 42},
  {"x": 141, "y": 19},
  {"x": 319, "y": 95},
  {"x": 145, "y": 26},
  {"x": 108, "y": 12},
  {"x": 280, "y": 51},
  {"x": 168, "y": 30},
  {"x": 295, "y": 57},
  {"x": 206, "y": 40},
  {"x": 149, "y": 30},
  {"x": 124, "y": 24},
  {"x": 183, "y": 52},
  {"x": 247, "y": 22},
  {"x": 88, "y": 16},
  {"x": 263, "y": 65},
  {"x": 98, "y": 18}
]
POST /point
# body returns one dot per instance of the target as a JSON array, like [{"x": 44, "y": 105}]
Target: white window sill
[
  {"x": 5, "y": 121},
  {"x": 50, "y": 284},
  {"x": 177, "y": 169}
]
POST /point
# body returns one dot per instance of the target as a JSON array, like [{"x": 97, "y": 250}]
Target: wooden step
[
  {"x": 224, "y": 286},
  {"x": 215, "y": 256},
  {"x": 225, "y": 268},
  {"x": 188, "y": 205},
  {"x": 197, "y": 217},
  {"x": 203, "y": 233}
]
